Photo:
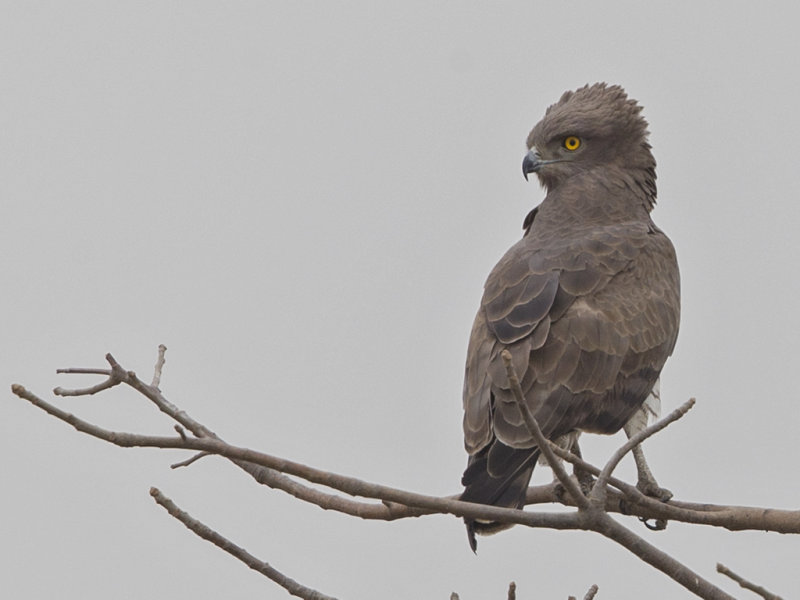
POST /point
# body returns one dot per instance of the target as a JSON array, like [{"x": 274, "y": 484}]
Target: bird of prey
[{"x": 587, "y": 302}]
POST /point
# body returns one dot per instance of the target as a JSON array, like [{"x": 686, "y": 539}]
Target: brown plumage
[{"x": 587, "y": 302}]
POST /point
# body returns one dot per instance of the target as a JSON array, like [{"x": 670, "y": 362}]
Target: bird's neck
[{"x": 616, "y": 196}]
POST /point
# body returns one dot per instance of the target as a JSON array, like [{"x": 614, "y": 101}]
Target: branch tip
[
  {"x": 204, "y": 531},
  {"x": 189, "y": 461},
  {"x": 747, "y": 585},
  {"x": 162, "y": 349},
  {"x": 591, "y": 593},
  {"x": 181, "y": 432}
]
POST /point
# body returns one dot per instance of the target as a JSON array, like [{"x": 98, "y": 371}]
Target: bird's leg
[
  {"x": 585, "y": 479},
  {"x": 646, "y": 483}
]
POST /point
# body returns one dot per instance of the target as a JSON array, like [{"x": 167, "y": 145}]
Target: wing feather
[{"x": 589, "y": 323}]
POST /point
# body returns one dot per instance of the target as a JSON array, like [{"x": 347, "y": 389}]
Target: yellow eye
[{"x": 572, "y": 143}]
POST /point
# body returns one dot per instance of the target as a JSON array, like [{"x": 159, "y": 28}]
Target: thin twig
[
  {"x": 387, "y": 511},
  {"x": 512, "y": 591},
  {"x": 764, "y": 593},
  {"x": 631, "y": 492},
  {"x": 533, "y": 428},
  {"x": 181, "y": 431},
  {"x": 162, "y": 349},
  {"x": 264, "y": 475},
  {"x": 108, "y": 383},
  {"x": 599, "y": 490},
  {"x": 189, "y": 461},
  {"x": 591, "y": 593},
  {"x": 205, "y": 532},
  {"x": 84, "y": 371}
]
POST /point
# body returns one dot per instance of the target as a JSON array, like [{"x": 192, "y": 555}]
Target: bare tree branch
[
  {"x": 278, "y": 473},
  {"x": 263, "y": 475},
  {"x": 633, "y": 502},
  {"x": 591, "y": 514},
  {"x": 767, "y": 595},
  {"x": 602, "y": 523},
  {"x": 598, "y": 494},
  {"x": 205, "y": 532},
  {"x": 734, "y": 518},
  {"x": 84, "y": 371},
  {"x": 348, "y": 485}
]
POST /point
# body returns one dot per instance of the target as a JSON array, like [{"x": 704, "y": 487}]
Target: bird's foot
[
  {"x": 650, "y": 488},
  {"x": 585, "y": 483},
  {"x": 655, "y": 525}
]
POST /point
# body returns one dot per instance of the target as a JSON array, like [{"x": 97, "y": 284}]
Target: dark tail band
[{"x": 498, "y": 476}]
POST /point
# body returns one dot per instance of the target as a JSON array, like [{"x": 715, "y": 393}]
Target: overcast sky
[{"x": 302, "y": 201}]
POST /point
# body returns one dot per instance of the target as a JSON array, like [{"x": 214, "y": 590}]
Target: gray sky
[{"x": 302, "y": 201}]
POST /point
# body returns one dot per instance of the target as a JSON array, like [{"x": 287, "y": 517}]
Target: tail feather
[{"x": 497, "y": 476}]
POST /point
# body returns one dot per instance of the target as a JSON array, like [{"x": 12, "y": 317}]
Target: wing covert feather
[{"x": 588, "y": 330}]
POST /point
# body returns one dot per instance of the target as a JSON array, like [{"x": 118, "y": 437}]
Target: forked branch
[
  {"x": 610, "y": 494},
  {"x": 591, "y": 513}
]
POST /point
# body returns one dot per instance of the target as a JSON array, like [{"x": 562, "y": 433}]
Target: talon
[{"x": 658, "y": 524}]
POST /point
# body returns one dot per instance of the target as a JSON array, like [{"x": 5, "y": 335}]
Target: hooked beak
[
  {"x": 530, "y": 163},
  {"x": 533, "y": 162}
]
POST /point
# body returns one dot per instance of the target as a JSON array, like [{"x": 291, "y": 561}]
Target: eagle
[{"x": 587, "y": 302}]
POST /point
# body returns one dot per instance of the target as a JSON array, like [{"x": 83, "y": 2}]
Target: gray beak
[{"x": 531, "y": 163}]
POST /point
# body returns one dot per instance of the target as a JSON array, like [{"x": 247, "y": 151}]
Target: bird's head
[{"x": 594, "y": 127}]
